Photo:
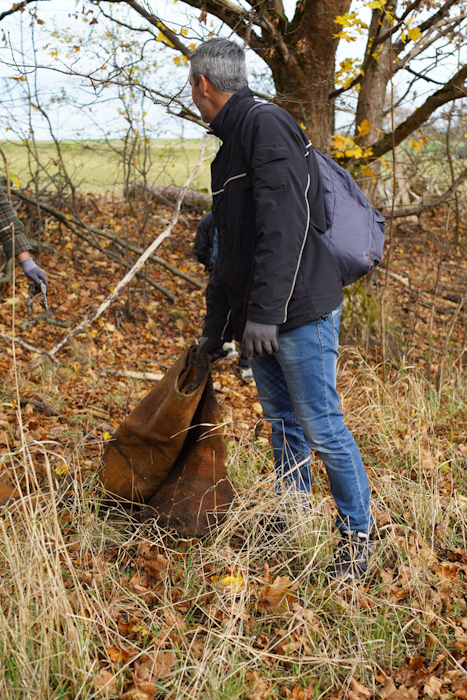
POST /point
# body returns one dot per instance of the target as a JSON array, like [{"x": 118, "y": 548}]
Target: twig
[
  {"x": 139, "y": 263},
  {"x": 22, "y": 342},
  {"x": 50, "y": 410},
  {"x": 150, "y": 376}
]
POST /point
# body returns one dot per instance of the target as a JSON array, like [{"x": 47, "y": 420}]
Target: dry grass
[{"x": 92, "y": 605}]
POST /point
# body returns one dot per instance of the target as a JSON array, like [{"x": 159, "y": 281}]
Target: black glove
[
  {"x": 35, "y": 274},
  {"x": 211, "y": 347},
  {"x": 260, "y": 338}
]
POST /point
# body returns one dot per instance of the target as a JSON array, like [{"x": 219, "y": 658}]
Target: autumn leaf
[
  {"x": 433, "y": 688},
  {"x": 278, "y": 596},
  {"x": 364, "y": 127},
  {"x": 235, "y": 583},
  {"x": 259, "y": 687},
  {"x": 358, "y": 687},
  {"x": 459, "y": 688},
  {"x": 141, "y": 690},
  {"x": 156, "y": 665},
  {"x": 158, "y": 567},
  {"x": 390, "y": 692},
  {"x": 120, "y": 655},
  {"x": 105, "y": 683}
]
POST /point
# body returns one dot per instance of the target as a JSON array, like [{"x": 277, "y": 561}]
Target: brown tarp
[{"x": 169, "y": 453}]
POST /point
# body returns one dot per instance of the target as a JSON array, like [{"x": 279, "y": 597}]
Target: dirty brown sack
[{"x": 169, "y": 452}]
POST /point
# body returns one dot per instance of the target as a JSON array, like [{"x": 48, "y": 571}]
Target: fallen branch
[
  {"x": 23, "y": 343},
  {"x": 70, "y": 224},
  {"x": 150, "y": 376},
  {"x": 60, "y": 216},
  {"x": 116, "y": 258},
  {"x": 139, "y": 263}
]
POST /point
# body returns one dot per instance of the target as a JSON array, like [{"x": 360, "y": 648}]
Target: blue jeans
[{"x": 297, "y": 390}]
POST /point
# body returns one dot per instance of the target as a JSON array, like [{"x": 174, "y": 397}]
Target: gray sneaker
[{"x": 352, "y": 556}]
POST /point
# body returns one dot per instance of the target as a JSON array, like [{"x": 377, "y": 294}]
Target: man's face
[{"x": 201, "y": 101}]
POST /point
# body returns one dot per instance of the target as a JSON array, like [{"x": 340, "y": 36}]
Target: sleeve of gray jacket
[{"x": 281, "y": 185}]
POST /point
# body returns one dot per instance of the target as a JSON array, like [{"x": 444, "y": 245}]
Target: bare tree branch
[
  {"x": 424, "y": 26},
  {"x": 454, "y": 89},
  {"x": 26, "y": 345},
  {"x": 437, "y": 32},
  {"x": 442, "y": 12},
  {"x": 156, "y": 22},
  {"x": 17, "y": 7},
  {"x": 374, "y": 42}
]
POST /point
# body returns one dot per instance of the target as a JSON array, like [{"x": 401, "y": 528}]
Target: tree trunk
[
  {"x": 372, "y": 97},
  {"x": 374, "y": 83},
  {"x": 303, "y": 81}
]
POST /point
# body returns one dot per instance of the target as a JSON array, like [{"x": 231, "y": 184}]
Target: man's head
[{"x": 218, "y": 70}]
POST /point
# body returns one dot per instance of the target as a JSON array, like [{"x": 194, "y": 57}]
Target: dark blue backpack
[{"x": 355, "y": 231}]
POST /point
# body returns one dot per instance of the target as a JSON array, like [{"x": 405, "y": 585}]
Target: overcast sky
[{"x": 81, "y": 119}]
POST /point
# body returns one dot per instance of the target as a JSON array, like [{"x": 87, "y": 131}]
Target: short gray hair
[{"x": 222, "y": 62}]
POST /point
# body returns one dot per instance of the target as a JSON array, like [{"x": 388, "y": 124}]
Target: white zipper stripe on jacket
[
  {"x": 226, "y": 324},
  {"x": 235, "y": 177},
  {"x": 301, "y": 250}
]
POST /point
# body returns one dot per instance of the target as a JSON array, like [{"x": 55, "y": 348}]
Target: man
[
  {"x": 12, "y": 238},
  {"x": 277, "y": 286}
]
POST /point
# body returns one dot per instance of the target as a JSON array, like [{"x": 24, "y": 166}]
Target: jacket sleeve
[
  {"x": 203, "y": 240},
  {"x": 11, "y": 229},
  {"x": 276, "y": 156},
  {"x": 217, "y": 322}
]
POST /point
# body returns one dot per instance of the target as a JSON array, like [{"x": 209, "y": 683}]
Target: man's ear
[{"x": 204, "y": 85}]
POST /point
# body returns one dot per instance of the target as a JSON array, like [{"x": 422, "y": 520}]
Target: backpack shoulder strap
[{"x": 245, "y": 121}]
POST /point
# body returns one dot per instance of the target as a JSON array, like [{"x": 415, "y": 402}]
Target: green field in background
[{"x": 99, "y": 166}]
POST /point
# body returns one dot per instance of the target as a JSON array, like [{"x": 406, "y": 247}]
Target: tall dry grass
[{"x": 79, "y": 613}]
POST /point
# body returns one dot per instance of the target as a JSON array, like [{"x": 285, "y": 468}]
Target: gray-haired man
[{"x": 277, "y": 286}]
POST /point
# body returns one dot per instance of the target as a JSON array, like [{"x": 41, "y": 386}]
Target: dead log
[{"x": 192, "y": 200}]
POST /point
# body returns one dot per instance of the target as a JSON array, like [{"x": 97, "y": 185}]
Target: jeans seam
[
  {"x": 295, "y": 422},
  {"x": 335, "y": 436}
]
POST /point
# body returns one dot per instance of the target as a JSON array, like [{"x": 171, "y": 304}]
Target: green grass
[{"x": 98, "y": 166}]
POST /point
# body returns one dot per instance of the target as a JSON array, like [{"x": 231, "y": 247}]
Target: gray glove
[
  {"x": 260, "y": 339},
  {"x": 35, "y": 274},
  {"x": 211, "y": 347}
]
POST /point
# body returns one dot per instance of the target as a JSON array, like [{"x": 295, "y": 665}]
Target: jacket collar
[{"x": 225, "y": 122}]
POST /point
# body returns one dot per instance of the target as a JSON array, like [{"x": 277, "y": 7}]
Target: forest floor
[{"x": 94, "y": 607}]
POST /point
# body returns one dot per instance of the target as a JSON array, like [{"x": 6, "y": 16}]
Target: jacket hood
[{"x": 223, "y": 124}]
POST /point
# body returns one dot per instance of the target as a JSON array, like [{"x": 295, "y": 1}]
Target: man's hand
[
  {"x": 211, "y": 347},
  {"x": 260, "y": 338},
  {"x": 34, "y": 273}
]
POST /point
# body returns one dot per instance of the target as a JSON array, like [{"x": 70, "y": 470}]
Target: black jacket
[
  {"x": 272, "y": 266},
  {"x": 204, "y": 241}
]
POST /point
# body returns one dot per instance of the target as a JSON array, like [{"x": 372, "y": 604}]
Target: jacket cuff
[
  {"x": 276, "y": 318},
  {"x": 21, "y": 245}
]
